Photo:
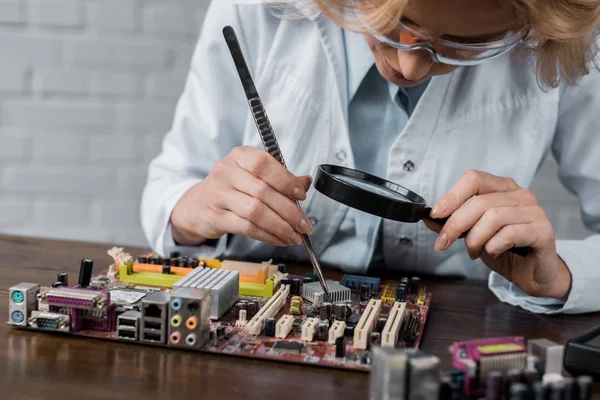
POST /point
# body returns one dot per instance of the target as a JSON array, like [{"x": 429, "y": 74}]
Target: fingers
[
  {"x": 268, "y": 169},
  {"x": 304, "y": 181},
  {"x": 432, "y": 225},
  {"x": 498, "y": 224},
  {"x": 472, "y": 183},
  {"x": 239, "y": 226},
  {"x": 535, "y": 234},
  {"x": 468, "y": 215}
]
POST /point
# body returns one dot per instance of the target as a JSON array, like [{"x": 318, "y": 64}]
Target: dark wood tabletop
[{"x": 44, "y": 366}]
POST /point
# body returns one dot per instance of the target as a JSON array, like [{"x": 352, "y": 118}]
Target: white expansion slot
[
  {"x": 269, "y": 310},
  {"x": 284, "y": 326},
  {"x": 336, "y": 330},
  {"x": 389, "y": 335},
  {"x": 366, "y": 324},
  {"x": 308, "y": 329}
]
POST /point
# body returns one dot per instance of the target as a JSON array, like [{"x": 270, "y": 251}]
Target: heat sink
[
  {"x": 314, "y": 293},
  {"x": 223, "y": 286}
]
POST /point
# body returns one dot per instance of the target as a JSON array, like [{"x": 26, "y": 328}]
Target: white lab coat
[{"x": 493, "y": 117}]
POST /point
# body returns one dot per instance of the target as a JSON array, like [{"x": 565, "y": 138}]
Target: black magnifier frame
[{"x": 377, "y": 196}]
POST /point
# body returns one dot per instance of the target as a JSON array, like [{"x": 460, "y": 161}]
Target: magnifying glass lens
[{"x": 373, "y": 188}]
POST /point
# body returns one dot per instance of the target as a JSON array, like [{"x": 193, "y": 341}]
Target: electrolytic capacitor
[
  {"x": 380, "y": 324},
  {"x": 143, "y": 260},
  {"x": 339, "y": 311},
  {"x": 281, "y": 268},
  {"x": 531, "y": 376},
  {"x": 375, "y": 338},
  {"x": 174, "y": 262},
  {"x": 193, "y": 263},
  {"x": 166, "y": 261},
  {"x": 157, "y": 260},
  {"x": 166, "y": 269},
  {"x": 174, "y": 254},
  {"x": 63, "y": 278},
  {"x": 365, "y": 292},
  {"x": 270, "y": 327},
  {"x": 322, "y": 331},
  {"x": 539, "y": 391},
  {"x": 415, "y": 285},
  {"x": 286, "y": 281},
  {"x": 57, "y": 284},
  {"x": 295, "y": 289},
  {"x": 404, "y": 281},
  {"x": 401, "y": 293},
  {"x": 251, "y": 309},
  {"x": 518, "y": 391},
  {"x": 584, "y": 387},
  {"x": 557, "y": 391},
  {"x": 349, "y": 331},
  {"x": 494, "y": 385},
  {"x": 307, "y": 279},
  {"x": 570, "y": 388},
  {"x": 325, "y": 311},
  {"x": 512, "y": 376},
  {"x": 85, "y": 272},
  {"x": 256, "y": 303},
  {"x": 340, "y": 347},
  {"x": 183, "y": 262}
]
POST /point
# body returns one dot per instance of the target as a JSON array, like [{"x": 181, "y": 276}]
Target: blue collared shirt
[{"x": 378, "y": 112}]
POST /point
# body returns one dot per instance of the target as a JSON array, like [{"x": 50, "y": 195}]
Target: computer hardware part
[
  {"x": 189, "y": 311},
  {"x": 313, "y": 292},
  {"x": 155, "y": 312},
  {"x": 128, "y": 325},
  {"x": 22, "y": 300}
]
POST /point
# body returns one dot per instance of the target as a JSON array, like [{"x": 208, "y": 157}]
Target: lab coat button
[
  {"x": 405, "y": 240},
  {"x": 341, "y": 155},
  {"x": 409, "y": 166},
  {"x": 313, "y": 221}
]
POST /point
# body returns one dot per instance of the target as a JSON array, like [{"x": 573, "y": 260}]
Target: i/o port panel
[{"x": 189, "y": 312}]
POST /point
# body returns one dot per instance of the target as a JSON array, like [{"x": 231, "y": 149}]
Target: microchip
[{"x": 288, "y": 347}]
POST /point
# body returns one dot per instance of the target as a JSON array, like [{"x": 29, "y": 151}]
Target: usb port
[
  {"x": 152, "y": 325},
  {"x": 127, "y": 335}
]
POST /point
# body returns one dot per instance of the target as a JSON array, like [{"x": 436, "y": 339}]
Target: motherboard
[{"x": 247, "y": 309}]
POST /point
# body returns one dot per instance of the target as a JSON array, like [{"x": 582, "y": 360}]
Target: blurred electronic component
[
  {"x": 270, "y": 309},
  {"x": 296, "y": 305},
  {"x": 415, "y": 283},
  {"x": 401, "y": 293},
  {"x": 365, "y": 292},
  {"x": 582, "y": 354},
  {"x": 406, "y": 374},
  {"x": 189, "y": 312},
  {"x": 284, "y": 326},
  {"x": 23, "y": 299},
  {"x": 52, "y": 321},
  {"x": 322, "y": 331},
  {"x": 366, "y": 324},
  {"x": 476, "y": 358},
  {"x": 128, "y": 325},
  {"x": 85, "y": 272},
  {"x": 391, "y": 330},
  {"x": 374, "y": 339},
  {"x": 380, "y": 324},
  {"x": 252, "y": 308},
  {"x": 63, "y": 278},
  {"x": 411, "y": 329},
  {"x": 126, "y": 296},
  {"x": 518, "y": 391},
  {"x": 340, "y": 311},
  {"x": 313, "y": 292},
  {"x": 288, "y": 347},
  {"x": 325, "y": 311},
  {"x": 340, "y": 347},
  {"x": 281, "y": 268},
  {"x": 389, "y": 291},
  {"x": 336, "y": 331},
  {"x": 355, "y": 281},
  {"x": 242, "y": 319},
  {"x": 42, "y": 304},
  {"x": 223, "y": 286},
  {"x": 255, "y": 279},
  {"x": 494, "y": 383},
  {"x": 270, "y": 327},
  {"x": 309, "y": 328},
  {"x": 154, "y": 317},
  {"x": 295, "y": 288}
]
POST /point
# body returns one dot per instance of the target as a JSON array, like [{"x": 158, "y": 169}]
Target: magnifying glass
[{"x": 377, "y": 196}]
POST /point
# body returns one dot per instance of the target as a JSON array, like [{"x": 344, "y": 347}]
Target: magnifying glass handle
[{"x": 520, "y": 251}]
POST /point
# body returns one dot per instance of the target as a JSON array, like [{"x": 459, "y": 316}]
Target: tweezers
[{"x": 265, "y": 130}]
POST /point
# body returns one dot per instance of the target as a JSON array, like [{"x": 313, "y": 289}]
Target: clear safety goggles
[{"x": 458, "y": 53}]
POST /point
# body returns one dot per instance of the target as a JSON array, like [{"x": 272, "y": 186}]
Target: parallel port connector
[{"x": 77, "y": 298}]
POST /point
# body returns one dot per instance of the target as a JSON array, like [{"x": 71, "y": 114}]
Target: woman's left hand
[{"x": 503, "y": 215}]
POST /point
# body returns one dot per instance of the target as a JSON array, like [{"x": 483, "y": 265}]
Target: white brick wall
[{"x": 87, "y": 91}]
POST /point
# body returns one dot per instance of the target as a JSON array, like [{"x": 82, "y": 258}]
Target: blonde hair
[{"x": 562, "y": 40}]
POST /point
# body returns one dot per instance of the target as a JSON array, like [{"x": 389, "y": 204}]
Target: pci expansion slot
[
  {"x": 366, "y": 324},
  {"x": 391, "y": 330},
  {"x": 269, "y": 310}
]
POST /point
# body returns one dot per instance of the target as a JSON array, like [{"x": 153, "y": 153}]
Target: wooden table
[{"x": 43, "y": 366}]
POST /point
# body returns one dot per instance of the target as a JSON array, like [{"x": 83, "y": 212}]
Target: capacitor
[
  {"x": 166, "y": 261},
  {"x": 539, "y": 391},
  {"x": 143, "y": 260},
  {"x": 166, "y": 269},
  {"x": 375, "y": 338},
  {"x": 57, "y": 284},
  {"x": 325, "y": 311},
  {"x": 241, "y": 305},
  {"x": 570, "y": 388},
  {"x": 295, "y": 288},
  {"x": 281, "y": 268},
  {"x": 322, "y": 331},
  {"x": 193, "y": 263},
  {"x": 174, "y": 262},
  {"x": 183, "y": 262},
  {"x": 365, "y": 292},
  {"x": 306, "y": 280},
  {"x": 257, "y": 303},
  {"x": 494, "y": 386},
  {"x": 557, "y": 390},
  {"x": 251, "y": 309},
  {"x": 380, "y": 324},
  {"x": 513, "y": 376},
  {"x": 174, "y": 254},
  {"x": 531, "y": 376},
  {"x": 157, "y": 260},
  {"x": 400, "y": 293},
  {"x": 339, "y": 311},
  {"x": 340, "y": 347},
  {"x": 404, "y": 281},
  {"x": 349, "y": 331},
  {"x": 63, "y": 278},
  {"x": 415, "y": 284},
  {"x": 221, "y": 331},
  {"x": 270, "y": 327},
  {"x": 85, "y": 272},
  {"x": 286, "y": 281},
  {"x": 518, "y": 391},
  {"x": 584, "y": 387},
  {"x": 365, "y": 357}
]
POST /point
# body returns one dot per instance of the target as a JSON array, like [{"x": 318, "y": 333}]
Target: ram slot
[
  {"x": 336, "y": 330},
  {"x": 366, "y": 324},
  {"x": 284, "y": 326},
  {"x": 391, "y": 330},
  {"x": 308, "y": 329},
  {"x": 269, "y": 310}
]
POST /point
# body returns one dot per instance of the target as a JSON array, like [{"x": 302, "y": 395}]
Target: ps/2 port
[
  {"x": 191, "y": 323},
  {"x": 176, "y": 320},
  {"x": 17, "y": 296},
  {"x": 176, "y": 304},
  {"x": 175, "y": 337}
]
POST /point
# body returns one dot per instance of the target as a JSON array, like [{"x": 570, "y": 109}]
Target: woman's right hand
[{"x": 247, "y": 193}]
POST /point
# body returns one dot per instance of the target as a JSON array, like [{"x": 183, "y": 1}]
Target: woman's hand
[
  {"x": 503, "y": 215},
  {"x": 247, "y": 193}
]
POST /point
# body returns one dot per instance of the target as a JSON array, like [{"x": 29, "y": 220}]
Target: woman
[{"x": 466, "y": 124}]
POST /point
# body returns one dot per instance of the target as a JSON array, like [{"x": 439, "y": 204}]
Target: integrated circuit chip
[{"x": 288, "y": 347}]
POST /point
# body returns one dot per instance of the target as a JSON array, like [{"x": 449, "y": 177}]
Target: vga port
[{"x": 50, "y": 321}]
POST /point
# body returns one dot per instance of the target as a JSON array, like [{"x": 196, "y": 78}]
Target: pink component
[{"x": 467, "y": 355}]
